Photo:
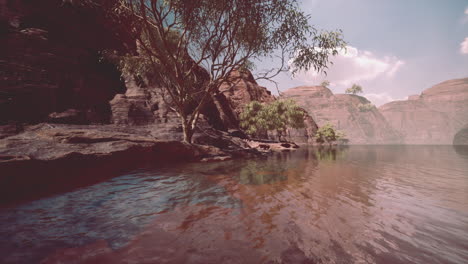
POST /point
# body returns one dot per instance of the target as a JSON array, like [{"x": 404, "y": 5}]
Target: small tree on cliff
[
  {"x": 277, "y": 116},
  {"x": 355, "y": 89},
  {"x": 183, "y": 37},
  {"x": 325, "y": 83}
]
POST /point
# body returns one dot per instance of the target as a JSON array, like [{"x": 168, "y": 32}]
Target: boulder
[{"x": 361, "y": 126}]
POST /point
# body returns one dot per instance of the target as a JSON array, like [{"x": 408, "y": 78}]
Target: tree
[
  {"x": 355, "y": 89},
  {"x": 277, "y": 116},
  {"x": 181, "y": 38},
  {"x": 325, "y": 83},
  {"x": 327, "y": 133}
]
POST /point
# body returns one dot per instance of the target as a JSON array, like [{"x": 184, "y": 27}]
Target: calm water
[{"x": 362, "y": 204}]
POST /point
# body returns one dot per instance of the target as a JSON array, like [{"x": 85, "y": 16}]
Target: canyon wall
[
  {"x": 343, "y": 111},
  {"x": 435, "y": 116},
  {"x": 50, "y": 61}
]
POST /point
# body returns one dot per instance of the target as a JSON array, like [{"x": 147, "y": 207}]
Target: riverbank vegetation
[
  {"x": 257, "y": 118},
  {"x": 192, "y": 47},
  {"x": 328, "y": 134}
]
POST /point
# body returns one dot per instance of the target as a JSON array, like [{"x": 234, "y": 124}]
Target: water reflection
[
  {"x": 326, "y": 153},
  {"x": 362, "y": 204}
]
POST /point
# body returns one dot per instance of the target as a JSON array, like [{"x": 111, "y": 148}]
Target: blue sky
[{"x": 396, "y": 47}]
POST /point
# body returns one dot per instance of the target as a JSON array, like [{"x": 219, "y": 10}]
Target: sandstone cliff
[
  {"x": 147, "y": 105},
  {"x": 434, "y": 117},
  {"x": 50, "y": 61},
  {"x": 342, "y": 110},
  {"x": 242, "y": 89}
]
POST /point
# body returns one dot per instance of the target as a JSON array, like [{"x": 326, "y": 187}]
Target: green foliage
[
  {"x": 180, "y": 38},
  {"x": 325, "y": 83},
  {"x": 355, "y": 89},
  {"x": 277, "y": 116},
  {"x": 251, "y": 119},
  {"x": 365, "y": 107},
  {"x": 327, "y": 133}
]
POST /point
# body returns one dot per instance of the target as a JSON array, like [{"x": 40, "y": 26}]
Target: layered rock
[
  {"x": 241, "y": 89},
  {"x": 233, "y": 95},
  {"x": 140, "y": 106},
  {"x": 50, "y": 60},
  {"x": 148, "y": 105},
  {"x": 361, "y": 126},
  {"x": 434, "y": 117}
]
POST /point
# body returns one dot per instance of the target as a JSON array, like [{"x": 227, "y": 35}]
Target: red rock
[
  {"x": 234, "y": 95},
  {"x": 435, "y": 117},
  {"x": 341, "y": 110},
  {"x": 50, "y": 60}
]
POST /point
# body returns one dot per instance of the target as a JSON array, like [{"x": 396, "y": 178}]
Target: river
[{"x": 359, "y": 204}]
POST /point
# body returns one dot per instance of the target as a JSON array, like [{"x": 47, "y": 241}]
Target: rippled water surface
[{"x": 362, "y": 204}]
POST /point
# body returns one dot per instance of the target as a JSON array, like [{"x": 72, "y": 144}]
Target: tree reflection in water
[{"x": 327, "y": 153}]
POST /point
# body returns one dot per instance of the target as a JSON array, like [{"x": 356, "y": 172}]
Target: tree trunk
[{"x": 188, "y": 131}]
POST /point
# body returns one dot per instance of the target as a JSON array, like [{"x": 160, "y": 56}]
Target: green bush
[
  {"x": 365, "y": 107},
  {"x": 258, "y": 118},
  {"x": 328, "y": 134}
]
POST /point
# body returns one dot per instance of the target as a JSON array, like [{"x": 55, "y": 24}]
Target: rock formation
[
  {"x": 361, "y": 126},
  {"x": 49, "y": 157},
  {"x": 434, "y": 117},
  {"x": 147, "y": 105},
  {"x": 50, "y": 61},
  {"x": 240, "y": 89}
]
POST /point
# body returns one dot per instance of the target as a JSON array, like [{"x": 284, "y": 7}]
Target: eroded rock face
[
  {"x": 434, "y": 117},
  {"x": 240, "y": 89},
  {"x": 147, "y": 105},
  {"x": 342, "y": 110},
  {"x": 140, "y": 106},
  {"x": 50, "y": 62}
]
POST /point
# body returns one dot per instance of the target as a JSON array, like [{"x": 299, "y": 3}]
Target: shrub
[
  {"x": 365, "y": 107},
  {"x": 277, "y": 116}
]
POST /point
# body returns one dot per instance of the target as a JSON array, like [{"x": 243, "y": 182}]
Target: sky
[{"x": 396, "y": 48}]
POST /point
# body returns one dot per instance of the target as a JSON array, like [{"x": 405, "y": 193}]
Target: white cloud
[
  {"x": 395, "y": 68},
  {"x": 464, "y": 19},
  {"x": 464, "y": 46},
  {"x": 379, "y": 99},
  {"x": 354, "y": 66}
]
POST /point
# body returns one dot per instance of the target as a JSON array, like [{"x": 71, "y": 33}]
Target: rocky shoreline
[{"x": 46, "y": 158}]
